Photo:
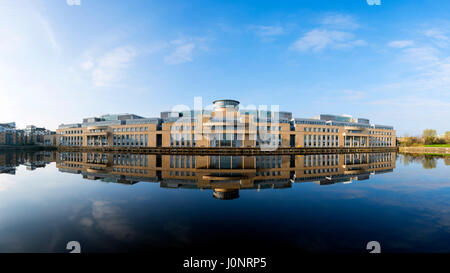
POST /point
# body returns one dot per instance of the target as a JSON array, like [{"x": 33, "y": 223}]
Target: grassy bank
[{"x": 438, "y": 145}]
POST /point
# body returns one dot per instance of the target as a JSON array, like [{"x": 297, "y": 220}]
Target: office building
[{"x": 225, "y": 126}]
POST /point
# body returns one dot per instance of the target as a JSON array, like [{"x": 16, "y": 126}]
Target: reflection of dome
[{"x": 226, "y": 194}]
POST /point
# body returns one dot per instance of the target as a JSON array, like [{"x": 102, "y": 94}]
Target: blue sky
[{"x": 389, "y": 63}]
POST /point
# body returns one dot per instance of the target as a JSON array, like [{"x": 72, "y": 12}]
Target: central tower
[{"x": 225, "y": 108}]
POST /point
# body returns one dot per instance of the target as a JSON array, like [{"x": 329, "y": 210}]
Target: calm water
[{"x": 120, "y": 202}]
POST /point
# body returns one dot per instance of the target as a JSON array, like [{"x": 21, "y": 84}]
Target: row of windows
[
  {"x": 365, "y": 159},
  {"x": 128, "y": 170},
  {"x": 130, "y": 160},
  {"x": 380, "y": 166},
  {"x": 320, "y": 141},
  {"x": 76, "y": 157},
  {"x": 71, "y": 141},
  {"x": 320, "y": 160},
  {"x": 268, "y": 173},
  {"x": 97, "y": 140},
  {"x": 224, "y": 127},
  {"x": 97, "y": 158},
  {"x": 268, "y": 139},
  {"x": 263, "y": 162},
  {"x": 328, "y": 130},
  {"x": 327, "y": 170},
  {"x": 380, "y": 133},
  {"x": 380, "y": 141},
  {"x": 71, "y": 165},
  {"x": 225, "y": 162},
  {"x": 130, "y": 140},
  {"x": 182, "y": 161},
  {"x": 176, "y": 173},
  {"x": 72, "y": 132},
  {"x": 182, "y": 140},
  {"x": 130, "y": 129}
]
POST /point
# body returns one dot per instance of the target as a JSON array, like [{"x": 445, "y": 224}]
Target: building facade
[{"x": 225, "y": 126}]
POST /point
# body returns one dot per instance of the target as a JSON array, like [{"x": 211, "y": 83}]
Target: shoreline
[
  {"x": 27, "y": 147},
  {"x": 425, "y": 150},
  {"x": 229, "y": 151}
]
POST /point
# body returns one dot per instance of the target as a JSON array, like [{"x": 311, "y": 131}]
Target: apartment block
[{"x": 10, "y": 135}]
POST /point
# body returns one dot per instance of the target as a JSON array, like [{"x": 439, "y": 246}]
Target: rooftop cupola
[{"x": 221, "y": 105}]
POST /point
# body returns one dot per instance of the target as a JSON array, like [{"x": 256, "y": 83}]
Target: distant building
[
  {"x": 10, "y": 135},
  {"x": 225, "y": 126}
]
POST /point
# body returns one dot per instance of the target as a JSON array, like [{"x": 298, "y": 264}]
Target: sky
[{"x": 61, "y": 61}]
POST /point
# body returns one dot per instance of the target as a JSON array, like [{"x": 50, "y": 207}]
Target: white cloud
[
  {"x": 181, "y": 54},
  {"x": 111, "y": 67},
  {"x": 268, "y": 31},
  {"x": 438, "y": 36},
  {"x": 341, "y": 21},
  {"x": 48, "y": 30},
  {"x": 421, "y": 55},
  {"x": 401, "y": 43},
  {"x": 319, "y": 39}
]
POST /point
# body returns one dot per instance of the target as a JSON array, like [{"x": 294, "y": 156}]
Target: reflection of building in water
[
  {"x": 226, "y": 175},
  {"x": 10, "y": 160},
  {"x": 226, "y": 125}
]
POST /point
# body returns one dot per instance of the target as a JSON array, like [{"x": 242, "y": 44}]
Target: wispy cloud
[
  {"x": 421, "y": 55},
  {"x": 182, "y": 53},
  {"x": 341, "y": 21},
  {"x": 268, "y": 33},
  {"x": 335, "y": 32},
  {"x": 48, "y": 30},
  {"x": 439, "y": 36},
  {"x": 183, "y": 50},
  {"x": 111, "y": 68},
  {"x": 401, "y": 43},
  {"x": 320, "y": 39}
]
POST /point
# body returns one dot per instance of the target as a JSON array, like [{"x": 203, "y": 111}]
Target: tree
[
  {"x": 429, "y": 136},
  {"x": 447, "y": 137}
]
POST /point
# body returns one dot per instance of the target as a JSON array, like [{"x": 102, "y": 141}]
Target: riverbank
[
  {"x": 228, "y": 151},
  {"x": 26, "y": 148},
  {"x": 425, "y": 150}
]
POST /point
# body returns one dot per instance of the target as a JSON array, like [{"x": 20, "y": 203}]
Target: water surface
[{"x": 125, "y": 202}]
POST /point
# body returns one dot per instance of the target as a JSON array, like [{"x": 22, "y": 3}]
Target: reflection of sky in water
[{"x": 405, "y": 210}]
